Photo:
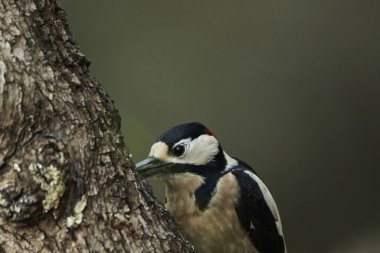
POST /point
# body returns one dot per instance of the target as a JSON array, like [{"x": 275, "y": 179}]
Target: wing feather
[{"x": 258, "y": 212}]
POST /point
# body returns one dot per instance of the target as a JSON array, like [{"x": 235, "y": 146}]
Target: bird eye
[{"x": 178, "y": 150}]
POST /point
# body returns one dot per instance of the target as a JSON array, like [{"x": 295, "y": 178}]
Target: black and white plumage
[{"x": 219, "y": 202}]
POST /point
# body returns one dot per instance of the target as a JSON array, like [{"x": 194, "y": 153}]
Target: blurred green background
[{"x": 291, "y": 87}]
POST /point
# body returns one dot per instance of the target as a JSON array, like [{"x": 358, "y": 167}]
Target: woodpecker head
[{"x": 184, "y": 148}]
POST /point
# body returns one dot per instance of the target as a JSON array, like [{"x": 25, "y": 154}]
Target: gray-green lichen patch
[
  {"x": 76, "y": 219},
  {"x": 51, "y": 180}
]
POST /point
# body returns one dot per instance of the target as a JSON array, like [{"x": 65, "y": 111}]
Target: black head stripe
[
  {"x": 205, "y": 192},
  {"x": 180, "y": 132}
]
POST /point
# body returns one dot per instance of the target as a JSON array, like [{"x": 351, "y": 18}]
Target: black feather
[
  {"x": 255, "y": 215},
  {"x": 184, "y": 131},
  {"x": 205, "y": 192}
]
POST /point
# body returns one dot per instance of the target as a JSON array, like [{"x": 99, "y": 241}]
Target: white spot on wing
[
  {"x": 268, "y": 199},
  {"x": 230, "y": 162}
]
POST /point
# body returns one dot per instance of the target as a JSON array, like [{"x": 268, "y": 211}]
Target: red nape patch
[{"x": 207, "y": 131}]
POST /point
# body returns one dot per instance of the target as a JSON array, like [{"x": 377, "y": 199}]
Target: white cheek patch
[
  {"x": 159, "y": 150},
  {"x": 199, "y": 151}
]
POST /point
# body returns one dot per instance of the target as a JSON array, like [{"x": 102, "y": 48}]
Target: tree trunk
[{"x": 67, "y": 183}]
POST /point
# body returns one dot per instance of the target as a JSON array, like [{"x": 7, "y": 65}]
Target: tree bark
[{"x": 67, "y": 182}]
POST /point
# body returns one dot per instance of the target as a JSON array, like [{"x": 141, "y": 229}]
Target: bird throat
[
  {"x": 189, "y": 193},
  {"x": 180, "y": 195}
]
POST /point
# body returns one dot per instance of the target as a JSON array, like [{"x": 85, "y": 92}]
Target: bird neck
[
  {"x": 180, "y": 198},
  {"x": 190, "y": 192}
]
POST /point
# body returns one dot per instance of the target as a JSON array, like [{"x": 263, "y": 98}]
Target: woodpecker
[{"x": 219, "y": 202}]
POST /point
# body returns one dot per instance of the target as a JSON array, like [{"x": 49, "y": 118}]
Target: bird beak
[{"x": 152, "y": 166}]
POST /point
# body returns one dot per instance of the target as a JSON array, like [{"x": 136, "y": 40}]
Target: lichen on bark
[{"x": 50, "y": 180}]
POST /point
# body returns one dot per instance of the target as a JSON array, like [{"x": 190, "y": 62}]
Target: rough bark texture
[{"x": 66, "y": 180}]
